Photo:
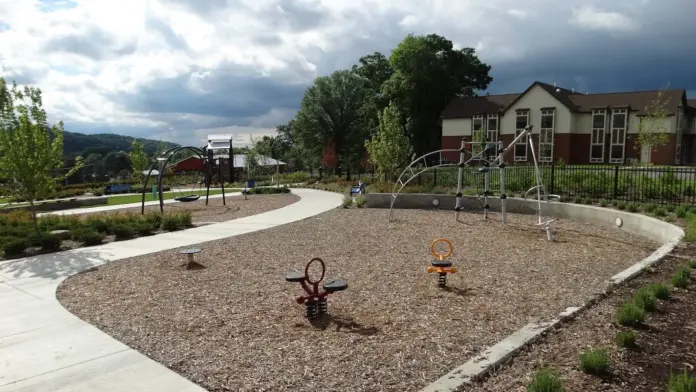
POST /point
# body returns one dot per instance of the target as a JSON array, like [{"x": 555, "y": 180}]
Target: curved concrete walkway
[{"x": 43, "y": 347}]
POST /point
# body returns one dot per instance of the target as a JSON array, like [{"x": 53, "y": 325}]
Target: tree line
[{"x": 383, "y": 109}]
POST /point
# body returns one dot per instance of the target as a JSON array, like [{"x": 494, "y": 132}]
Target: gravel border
[{"x": 392, "y": 330}]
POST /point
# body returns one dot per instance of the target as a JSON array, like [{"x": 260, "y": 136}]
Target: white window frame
[
  {"x": 618, "y": 135},
  {"x": 522, "y": 141},
  {"x": 598, "y": 135},
  {"x": 476, "y": 147},
  {"x": 493, "y": 133},
  {"x": 546, "y": 136}
]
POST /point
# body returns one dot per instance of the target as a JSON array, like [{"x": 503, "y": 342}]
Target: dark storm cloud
[
  {"x": 234, "y": 92},
  {"x": 96, "y": 44}
]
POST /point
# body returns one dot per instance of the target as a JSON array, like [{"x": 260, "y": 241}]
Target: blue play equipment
[{"x": 359, "y": 189}]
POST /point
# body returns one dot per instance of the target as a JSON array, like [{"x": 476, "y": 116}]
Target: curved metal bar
[
  {"x": 169, "y": 154},
  {"x": 396, "y": 194}
]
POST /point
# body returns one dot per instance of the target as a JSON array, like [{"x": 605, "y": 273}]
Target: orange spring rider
[{"x": 441, "y": 265}]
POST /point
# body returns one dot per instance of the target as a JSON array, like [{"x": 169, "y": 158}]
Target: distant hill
[{"x": 79, "y": 144}]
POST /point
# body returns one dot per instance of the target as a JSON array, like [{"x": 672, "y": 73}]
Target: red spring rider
[
  {"x": 440, "y": 264},
  {"x": 315, "y": 301}
]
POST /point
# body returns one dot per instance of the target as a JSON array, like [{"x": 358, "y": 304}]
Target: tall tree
[
  {"x": 375, "y": 68},
  {"x": 428, "y": 73},
  {"x": 390, "y": 149},
  {"x": 29, "y": 148},
  {"x": 330, "y": 115},
  {"x": 138, "y": 159}
]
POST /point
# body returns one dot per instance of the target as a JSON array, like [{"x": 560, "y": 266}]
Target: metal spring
[
  {"x": 323, "y": 306},
  {"x": 311, "y": 309},
  {"x": 442, "y": 280}
]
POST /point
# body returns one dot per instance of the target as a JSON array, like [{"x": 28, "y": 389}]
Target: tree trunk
[{"x": 34, "y": 218}]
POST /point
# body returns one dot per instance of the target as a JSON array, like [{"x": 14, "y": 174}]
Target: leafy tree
[
  {"x": 652, "y": 131},
  {"x": 330, "y": 114},
  {"x": 376, "y": 70},
  {"x": 329, "y": 159},
  {"x": 29, "y": 148},
  {"x": 138, "y": 159},
  {"x": 253, "y": 166},
  {"x": 428, "y": 73},
  {"x": 390, "y": 148},
  {"x": 114, "y": 162}
]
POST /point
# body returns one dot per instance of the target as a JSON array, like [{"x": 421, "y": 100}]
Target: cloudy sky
[{"x": 181, "y": 69}]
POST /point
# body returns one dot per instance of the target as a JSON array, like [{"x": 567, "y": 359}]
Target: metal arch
[
  {"x": 395, "y": 192},
  {"x": 169, "y": 154}
]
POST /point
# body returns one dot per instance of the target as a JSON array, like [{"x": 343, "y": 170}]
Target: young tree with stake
[
  {"x": 390, "y": 149},
  {"x": 652, "y": 131},
  {"x": 29, "y": 148},
  {"x": 138, "y": 159}
]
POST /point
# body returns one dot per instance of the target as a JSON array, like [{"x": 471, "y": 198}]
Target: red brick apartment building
[{"x": 574, "y": 127}]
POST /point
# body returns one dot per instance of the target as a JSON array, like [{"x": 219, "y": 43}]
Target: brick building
[{"x": 574, "y": 127}]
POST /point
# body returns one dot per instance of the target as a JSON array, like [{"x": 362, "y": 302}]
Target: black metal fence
[{"x": 631, "y": 184}]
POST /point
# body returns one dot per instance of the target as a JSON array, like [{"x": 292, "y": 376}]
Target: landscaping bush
[
  {"x": 671, "y": 208},
  {"x": 659, "y": 290},
  {"x": 144, "y": 228},
  {"x": 14, "y": 246},
  {"x": 347, "y": 201},
  {"x": 630, "y": 314},
  {"x": 154, "y": 219},
  {"x": 123, "y": 231},
  {"x": 594, "y": 362},
  {"x": 681, "y": 212},
  {"x": 632, "y": 208},
  {"x": 681, "y": 278},
  {"x": 360, "y": 201},
  {"x": 604, "y": 202},
  {"x": 692, "y": 264},
  {"x": 101, "y": 223},
  {"x": 545, "y": 380},
  {"x": 648, "y": 208},
  {"x": 50, "y": 242},
  {"x": 683, "y": 382},
  {"x": 185, "y": 218},
  {"x": 171, "y": 222},
  {"x": 626, "y": 339},
  {"x": 645, "y": 299},
  {"x": 88, "y": 237},
  {"x": 660, "y": 211},
  {"x": 621, "y": 206}
]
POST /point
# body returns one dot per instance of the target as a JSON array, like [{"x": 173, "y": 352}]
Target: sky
[{"x": 178, "y": 70}]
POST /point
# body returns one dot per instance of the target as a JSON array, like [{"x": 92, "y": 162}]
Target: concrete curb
[{"x": 486, "y": 361}]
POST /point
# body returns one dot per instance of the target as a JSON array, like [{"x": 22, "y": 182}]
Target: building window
[
  {"x": 492, "y": 132},
  {"x": 546, "y": 136},
  {"x": 618, "y": 136},
  {"x": 521, "y": 121},
  {"x": 477, "y": 134},
  {"x": 599, "y": 121}
]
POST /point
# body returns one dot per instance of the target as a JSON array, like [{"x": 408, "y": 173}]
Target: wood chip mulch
[
  {"x": 234, "y": 325},
  {"x": 666, "y": 343}
]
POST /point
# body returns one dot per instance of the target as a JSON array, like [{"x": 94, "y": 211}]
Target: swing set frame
[{"x": 206, "y": 154}]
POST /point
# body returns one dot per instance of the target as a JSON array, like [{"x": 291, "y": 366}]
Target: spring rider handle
[
  {"x": 441, "y": 265},
  {"x": 315, "y": 299}
]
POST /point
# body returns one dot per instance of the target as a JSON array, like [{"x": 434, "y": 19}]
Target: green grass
[
  {"x": 127, "y": 199},
  {"x": 626, "y": 339},
  {"x": 545, "y": 380},
  {"x": 682, "y": 382},
  {"x": 594, "y": 362}
]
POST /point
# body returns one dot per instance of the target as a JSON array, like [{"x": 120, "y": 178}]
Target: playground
[{"x": 394, "y": 328}]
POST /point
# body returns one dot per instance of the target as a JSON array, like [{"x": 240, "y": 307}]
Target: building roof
[{"x": 574, "y": 101}]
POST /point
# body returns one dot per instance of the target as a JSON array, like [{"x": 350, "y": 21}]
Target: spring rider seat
[
  {"x": 315, "y": 300},
  {"x": 441, "y": 265}
]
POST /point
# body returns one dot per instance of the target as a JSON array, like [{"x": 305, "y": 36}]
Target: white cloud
[
  {"x": 179, "y": 68},
  {"x": 591, "y": 18}
]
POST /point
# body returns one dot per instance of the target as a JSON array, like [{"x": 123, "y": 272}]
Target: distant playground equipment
[
  {"x": 358, "y": 189},
  {"x": 189, "y": 256},
  {"x": 211, "y": 166},
  {"x": 441, "y": 265},
  {"x": 315, "y": 301},
  {"x": 251, "y": 184},
  {"x": 489, "y": 163}
]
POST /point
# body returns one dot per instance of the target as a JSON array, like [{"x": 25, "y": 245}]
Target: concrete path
[{"x": 43, "y": 347}]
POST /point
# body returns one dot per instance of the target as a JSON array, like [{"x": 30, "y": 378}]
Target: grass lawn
[{"x": 127, "y": 199}]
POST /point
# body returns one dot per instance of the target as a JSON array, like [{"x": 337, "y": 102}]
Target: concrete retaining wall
[
  {"x": 645, "y": 226},
  {"x": 59, "y": 205}
]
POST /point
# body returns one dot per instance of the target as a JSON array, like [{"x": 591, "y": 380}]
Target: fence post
[
  {"x": 320, "y": 172},
  {"x": 616, "y": 182},
  {"x": 348, "y": 173},
  {"x": 434, "y": 177},
  {"x": 552, "y": 186}
]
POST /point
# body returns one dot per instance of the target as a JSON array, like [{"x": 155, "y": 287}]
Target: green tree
[
  {"x": 330, "y": 114},
  {"x": 29, "y": 148},
  {"x": 138, "y": 159},
  {"x": 390, "y": 149},
  {"x": 376, "y": 70},
  {"x": 428, "y": 73},
  {"x": 652, "y": 127}
]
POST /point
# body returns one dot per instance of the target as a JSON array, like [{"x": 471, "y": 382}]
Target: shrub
[
  {"x": 545, "y": 380},
  {"x": 626, "y": 339},
  {"x": 604, "y": 202},
  {"x": 660, "y": 211},
  {"x": 577, "y": 200},
  {"x": 681, "y": 212},
  {"x": 144, "y": 228},
  {"x": 50, "y": 242},
  {"x": 360, "y": 201},
  {"x": 594, "y": 362},
  {"x": 692, "y": 264},
  {"x": 154, "y": 219},
  {"x": 98, "y": 193},
  {"x": 632, "y": 208},
  {"x": 100, "y": 223},
  {"x": 630, "y": 314},
  {"x": 659, "y": 290},
  {"x": 683, "y": 382},
  {"x": 671, "y": 207},
  {"x": 347, "y": 202},
  {"x": 681, "y": 278},
  {"x": 15, "y": 246},
  {"x": 587, "y": 200},
  {"x": 171, "y": 222},
  {"x": 88, "y": 237},
  {"x": 648, "y": 208},
  {"x": 621, "y": 206},
  {"x": 645, "y": 299},
  {"x": 123, "y": 232},
  {"x": 185, "y": 218}
]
